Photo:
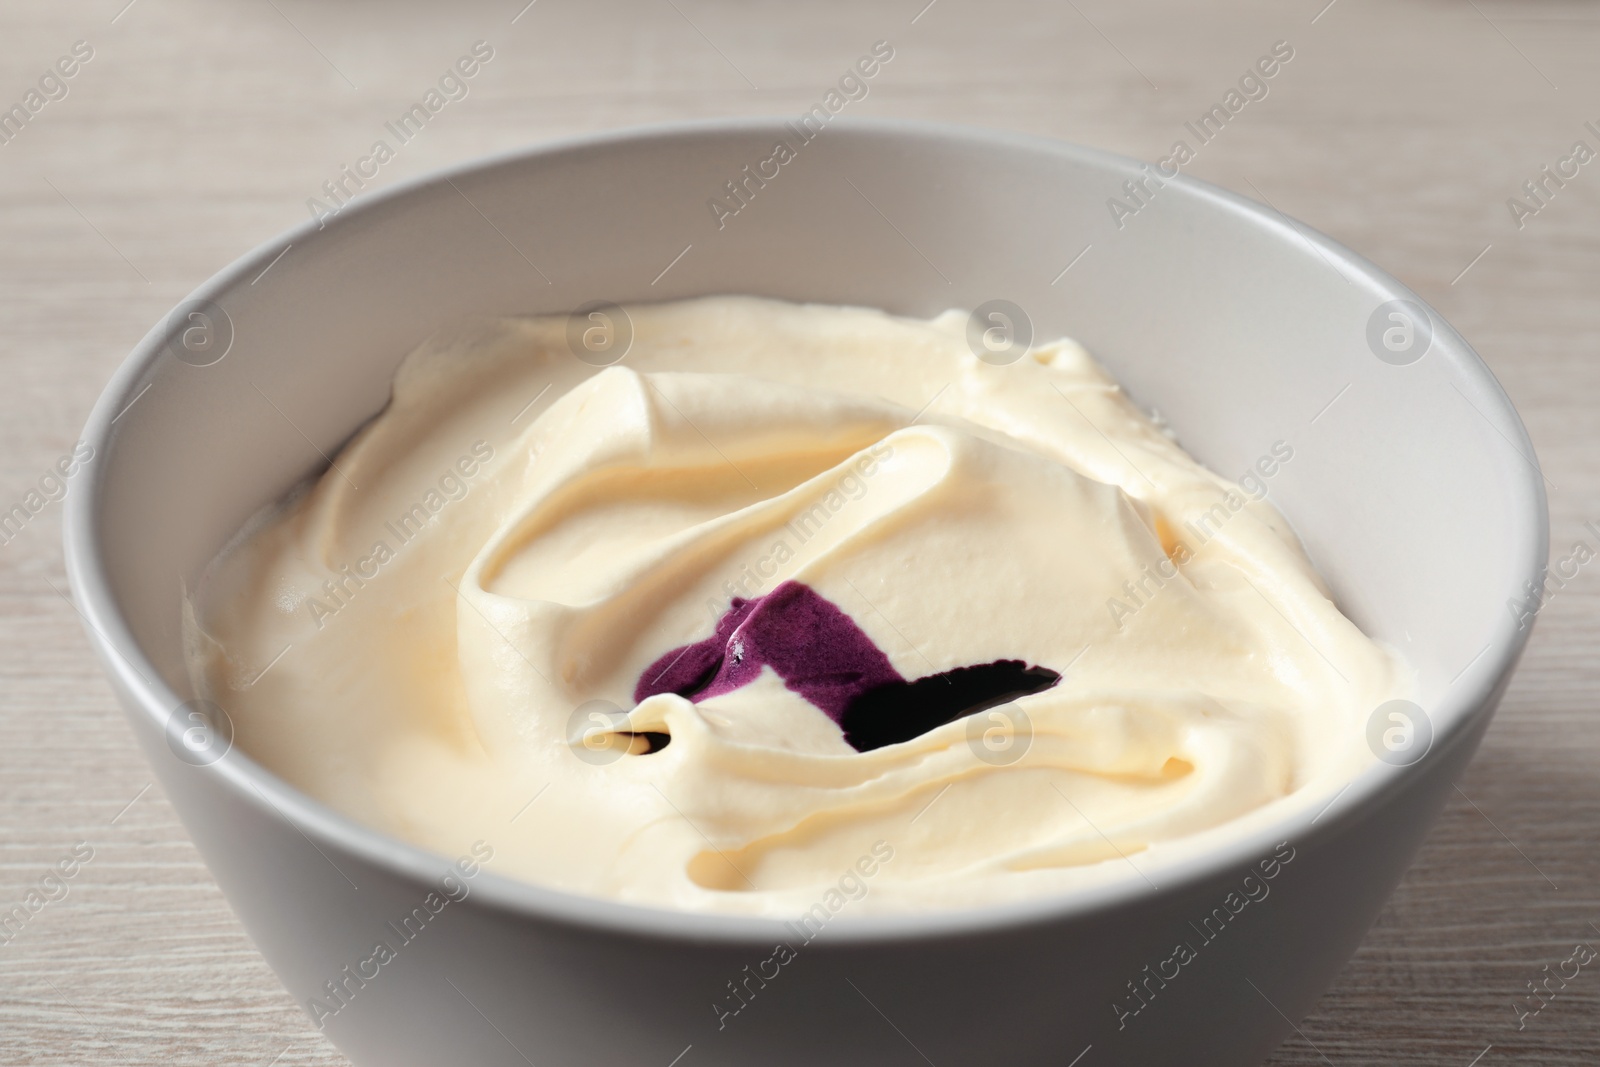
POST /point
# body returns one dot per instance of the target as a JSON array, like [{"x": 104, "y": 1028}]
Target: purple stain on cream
[
  {"x": 821, "y": 654},
  {"x": 816, "y": 649}
]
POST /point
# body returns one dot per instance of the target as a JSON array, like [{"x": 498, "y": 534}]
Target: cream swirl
[{"x": 788, "y": 582}]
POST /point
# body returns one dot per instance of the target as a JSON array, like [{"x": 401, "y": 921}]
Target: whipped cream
[{"x": 786, "y": 584}]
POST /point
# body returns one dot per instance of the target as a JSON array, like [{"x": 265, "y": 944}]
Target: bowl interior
[{"x": 1413, "y": 486}]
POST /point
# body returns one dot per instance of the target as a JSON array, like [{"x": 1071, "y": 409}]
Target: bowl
[{"x": 1414, "y": 488}]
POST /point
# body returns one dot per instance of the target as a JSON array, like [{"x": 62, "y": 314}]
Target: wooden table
[{"x": 196, "y": 130}]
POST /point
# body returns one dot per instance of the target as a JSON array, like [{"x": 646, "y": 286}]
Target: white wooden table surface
[{"x": 197, "y": 130}]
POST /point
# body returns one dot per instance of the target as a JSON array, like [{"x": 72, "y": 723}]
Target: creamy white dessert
[{"x": 792, "y": 605}]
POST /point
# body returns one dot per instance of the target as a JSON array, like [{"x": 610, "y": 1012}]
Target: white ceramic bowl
[{"x": 1413, "y": 485}]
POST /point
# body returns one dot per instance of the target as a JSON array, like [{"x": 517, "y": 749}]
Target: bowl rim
[{"x": 252, "y": 784}]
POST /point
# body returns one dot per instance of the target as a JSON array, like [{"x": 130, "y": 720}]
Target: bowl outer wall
[{"x": 1207, "y": 266}]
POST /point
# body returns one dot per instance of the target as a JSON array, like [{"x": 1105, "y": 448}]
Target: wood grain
[{"x": 198, "y": 130}]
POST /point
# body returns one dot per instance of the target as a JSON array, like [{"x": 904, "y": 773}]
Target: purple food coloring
[{"x": 821, "y": 654}]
